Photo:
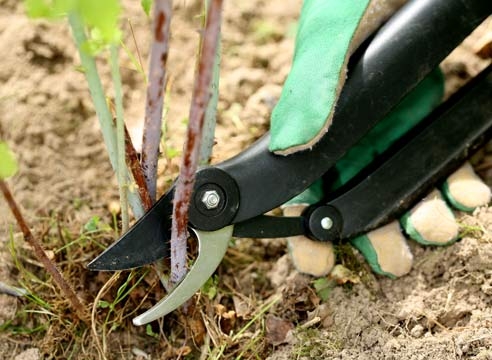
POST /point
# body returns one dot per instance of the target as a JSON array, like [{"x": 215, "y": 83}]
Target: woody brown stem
[
  {"x": 155, "y": 92},
  {"x": 40, "y": 253},
  {"x": 190, "y": 159},
  {"x": 136, "y": 170}
]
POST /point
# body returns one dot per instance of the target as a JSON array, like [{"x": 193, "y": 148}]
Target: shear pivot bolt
[
  {"x": 211, "y": 199},
  {"x": 326, "y": 223}
]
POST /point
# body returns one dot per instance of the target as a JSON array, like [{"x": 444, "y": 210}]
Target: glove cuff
[{"x": 329, "y": 31}]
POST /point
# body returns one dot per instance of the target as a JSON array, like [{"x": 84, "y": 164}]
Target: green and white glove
[
  {"x": 430, "y": 222},
  {"x": 329, "y": 32},
  {"x": 303, "y": 115}
]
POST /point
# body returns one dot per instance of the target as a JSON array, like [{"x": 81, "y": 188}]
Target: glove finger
[
  {"x": 465, "y": 190},
  {"x": 431, "y": 221},
  {"x": 385, "y": 250},
  {"x": 309, "y": 257}
]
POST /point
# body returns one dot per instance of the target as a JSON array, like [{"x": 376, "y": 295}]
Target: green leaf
[
  {"x": 210, "y": 287},
  {"x": 103, "y": 304},
  {"x": 146, "y": 5},
  {"x": 8, "y": 164},
  {"x": 323, "y": 287},
  {"x": 150, "y": 332},
  {"x": 48, "y": 8},
  {"x": 102, "y": 18},
  {"x": 37, "y": 8},
  {"x": 92, "y": 224},
  {"x": 121, "y": 290}
]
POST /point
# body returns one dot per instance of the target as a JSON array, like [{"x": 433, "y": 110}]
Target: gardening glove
[
  {"x": 303, "y": 114},
  {"x": 431, "y": 222},
  {"x": 329, "y": 32}
]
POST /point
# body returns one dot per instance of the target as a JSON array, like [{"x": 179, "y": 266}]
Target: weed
[
  {"x": 44, "y": 313},
  {"x": 473, "y": 231},
  {"x": 249, "y": 341},
  {"x": 315, "y": 344},
  {"x": 210, "y": 288},
  {"x": 347, "y": 257},
  {"x": 323, "y": 287}
]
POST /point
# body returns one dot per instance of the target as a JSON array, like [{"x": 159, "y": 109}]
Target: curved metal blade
[
  {"x": 212, "y": 247},
  {"x": 146, "y": 242}
]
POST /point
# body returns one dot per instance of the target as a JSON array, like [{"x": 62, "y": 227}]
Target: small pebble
[
  {"x": 140, "y": 353},
  {"x": 417, "y": 331},
  {"x": 392, "y": 344},
  {"x": 29, "y": 354}
]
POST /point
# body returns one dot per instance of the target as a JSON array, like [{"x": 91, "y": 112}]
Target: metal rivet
[
  {"x": 211, "y": 199},
  {"x": 326, "y": 223}
]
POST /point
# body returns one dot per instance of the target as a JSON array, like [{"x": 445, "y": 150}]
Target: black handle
[
  {"x": 398, "y": 178},
  {"x": 420, "y": 160},
  {"x": 402, "y": 53}
]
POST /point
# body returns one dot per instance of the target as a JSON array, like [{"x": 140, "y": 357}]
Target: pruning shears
[{"x": 230, "y": 198}]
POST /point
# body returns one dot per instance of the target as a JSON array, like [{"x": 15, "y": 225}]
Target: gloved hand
[
  {"x": 328, "y": 33},
  {"x": 431, "y": 222},
  {"x": 303, "y": 115}
]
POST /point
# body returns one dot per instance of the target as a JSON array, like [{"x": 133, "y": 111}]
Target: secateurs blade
[{"x": 257, "y": 181}]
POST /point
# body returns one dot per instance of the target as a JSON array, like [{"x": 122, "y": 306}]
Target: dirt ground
[{"x": 441, "y": 310}]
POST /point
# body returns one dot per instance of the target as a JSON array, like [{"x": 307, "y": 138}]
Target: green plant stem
[
  {"x": 208, "y": 136},
  {"x": 99, "y": 100},
  {"x": 120, "y": 138}
]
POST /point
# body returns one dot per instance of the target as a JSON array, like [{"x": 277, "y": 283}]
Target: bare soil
[{"x": 441, "y": 310}]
